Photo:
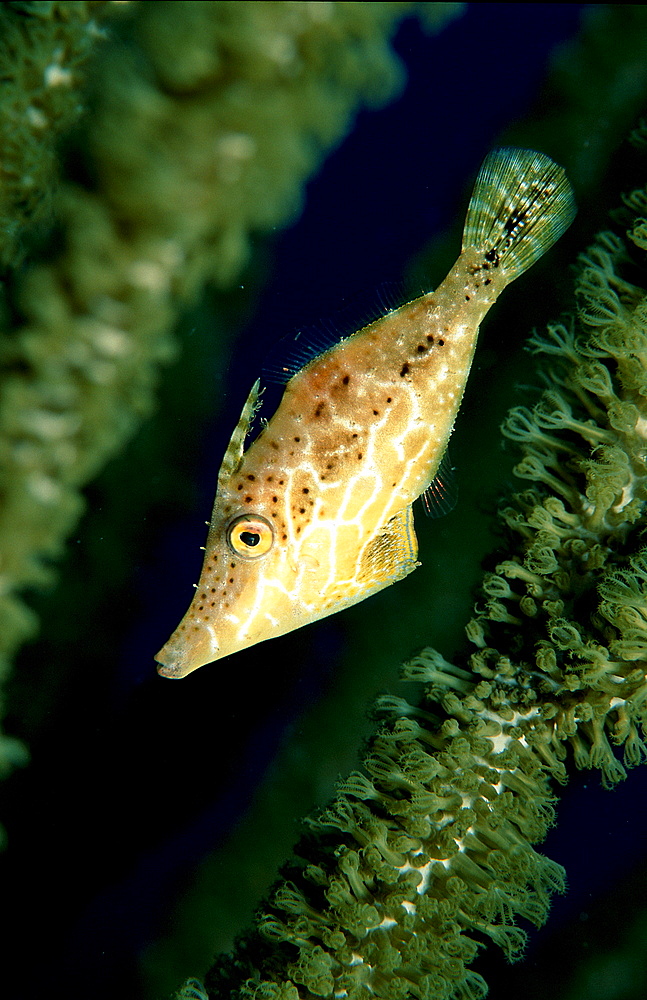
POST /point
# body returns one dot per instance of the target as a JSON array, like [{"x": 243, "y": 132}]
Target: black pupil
[{"x": 250, "y": 538}]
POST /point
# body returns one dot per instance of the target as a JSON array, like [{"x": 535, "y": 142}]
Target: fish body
[{"x": 316, "y": 515}]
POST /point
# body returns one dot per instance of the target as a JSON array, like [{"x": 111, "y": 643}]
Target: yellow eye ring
[{"x": 250, "y": 536}]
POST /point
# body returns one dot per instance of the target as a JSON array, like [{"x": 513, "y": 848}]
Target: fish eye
[{"x": 250, "y": 536}]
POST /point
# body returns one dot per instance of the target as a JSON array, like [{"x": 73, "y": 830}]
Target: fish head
[
  {"x": 296, "y": 533},
  {"x": 248, "y": 591},
  {"x": 264, "y": 576}
]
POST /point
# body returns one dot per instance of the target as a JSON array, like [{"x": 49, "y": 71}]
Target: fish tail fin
[{"x": 521, "y": 204}]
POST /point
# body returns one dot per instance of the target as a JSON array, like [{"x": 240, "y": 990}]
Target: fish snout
[
  {"x": 173, "y": 670},
  {"x": 188, "y": 648}
]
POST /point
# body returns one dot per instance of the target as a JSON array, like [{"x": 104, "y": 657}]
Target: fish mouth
[
  {"x": 185, "y": 652},
  {"x": 173, "y": 670}
]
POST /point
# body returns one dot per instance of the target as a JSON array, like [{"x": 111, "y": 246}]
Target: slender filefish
[{"x": 316, "y": 514}]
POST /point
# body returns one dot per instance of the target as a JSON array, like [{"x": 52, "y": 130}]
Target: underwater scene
[{"x": 438, "y": 791}]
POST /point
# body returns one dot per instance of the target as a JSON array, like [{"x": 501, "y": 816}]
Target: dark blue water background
[{"x": 117, "y": 810}]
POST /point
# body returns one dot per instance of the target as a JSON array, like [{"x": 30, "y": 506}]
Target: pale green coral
[
  {"x": 191, "y": 990},
  {"x": 44, "y": 51},
  {"x": 585, "y": 443}
]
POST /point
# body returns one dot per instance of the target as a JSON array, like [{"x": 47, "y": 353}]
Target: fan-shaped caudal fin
[{"x": 521, "y": 204}]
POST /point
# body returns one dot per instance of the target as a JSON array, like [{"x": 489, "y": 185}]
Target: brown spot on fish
[{"x": 404, "y": 370}]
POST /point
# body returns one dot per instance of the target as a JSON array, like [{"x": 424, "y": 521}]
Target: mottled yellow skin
[{"x": 358, "y": 436}]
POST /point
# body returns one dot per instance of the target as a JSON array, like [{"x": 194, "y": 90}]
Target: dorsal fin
[
  {"x": 236, "y": 447},
  {"x": 294, "y": 351}
]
